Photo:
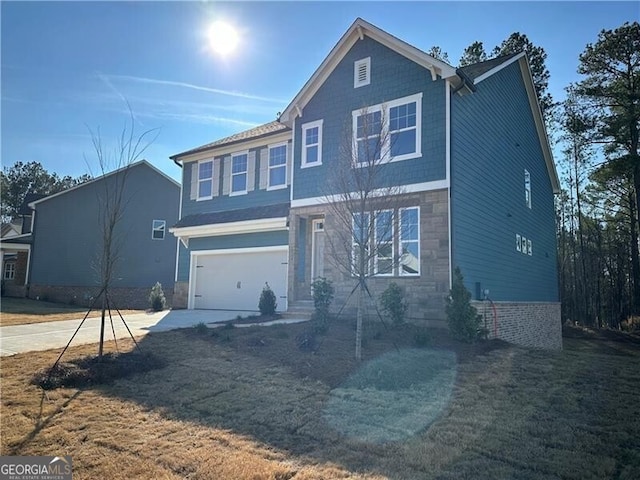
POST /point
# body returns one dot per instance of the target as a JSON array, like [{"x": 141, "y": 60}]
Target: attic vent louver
[{"x": 362, "y": 72}]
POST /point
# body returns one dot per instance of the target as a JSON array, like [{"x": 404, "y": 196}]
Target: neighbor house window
[
  {"x": 312, "y": 144},
  {"x": 388, "y": 132},
  {"x": 158, "y": 229},
  {"x": 362, "y": 72},
  {"x": 239, "y": 164},
  {"x": 205, "y": 179},
  {"x": 410, "y": 241},
  {"x": 361, "y": 234},
  {"x": 527, "y": 188},
  {"x": 278, "y": 166},
  {"x": 384, "y": 243},
  {"x": 9, "y": 270}
]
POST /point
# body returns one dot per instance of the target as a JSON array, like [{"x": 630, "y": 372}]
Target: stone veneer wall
[
  {"x": 180, "y": 295},
  {"x": 121, "y": 298},
  {"x": 536, "y": 325},
  {"x": 425, "y": 294}
]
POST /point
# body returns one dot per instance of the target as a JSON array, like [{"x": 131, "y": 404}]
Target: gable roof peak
[{"x": 357, "y": 31}]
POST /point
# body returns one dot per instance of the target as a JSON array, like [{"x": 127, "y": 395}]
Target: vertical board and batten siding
[
  {"x": 493, "y": 141},
  {"x": 223, "y": 242},
  {"x": 68, "y": 234},
  {"x": 392, "y": 76}
]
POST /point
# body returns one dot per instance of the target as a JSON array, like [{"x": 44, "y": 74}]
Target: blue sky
[{"x": 67, "y": 67}]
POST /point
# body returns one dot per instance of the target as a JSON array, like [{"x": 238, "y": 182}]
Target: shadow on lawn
[{"x": 323, "y": 404}]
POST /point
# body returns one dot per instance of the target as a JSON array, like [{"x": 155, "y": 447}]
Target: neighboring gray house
[
  {"x": 66, "y": 239},
  {"x": 468, "y": 148}
]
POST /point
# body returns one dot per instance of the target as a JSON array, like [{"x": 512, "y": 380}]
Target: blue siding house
[
  {"x": 475, "y": 179},
  {"x": 66, "y": 239}
]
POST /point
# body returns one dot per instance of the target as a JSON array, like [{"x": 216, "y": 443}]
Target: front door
[{"x": 318, "y": 240}]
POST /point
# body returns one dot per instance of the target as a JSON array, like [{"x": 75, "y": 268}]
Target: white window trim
[
  {"x": 527, "y": 188},
  {"x": 385, "y": 151},
  {"x": 208, "y": 197},
  {"x": 164, "y": 229},
  {"x": 305, "y": 127},
  {"x": 356, "y": 69},
  {"x": 269, "y": 167},
  {"x": 231, "y": 174},
  {"x": 391, "y": 273},
  {"x": 11, "y": 270},
  {"x": 400, "y": 271}
]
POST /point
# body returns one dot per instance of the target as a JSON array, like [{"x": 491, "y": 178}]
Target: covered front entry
[{"x": 233, "y": 279}]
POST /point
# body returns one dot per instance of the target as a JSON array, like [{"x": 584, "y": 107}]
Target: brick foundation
[
  {"x": 131, "y": 298},
  {"x": 528, "y": 324}
]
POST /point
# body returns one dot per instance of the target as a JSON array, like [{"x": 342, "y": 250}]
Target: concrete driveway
[{"x": 44, "y": 336}]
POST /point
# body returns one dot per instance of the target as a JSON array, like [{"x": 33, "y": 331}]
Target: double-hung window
[
  {"x": 360, "y": 243},
  {"x": 239, "y": 164},
  {"x": 158, "y": 229},
  {"x": 388, "y": 132},
  {"x": 410, "y": 241},
  {"x": 9, "y": 270},
  {"x": 278, "y": 166},
  {"x": 384, "y": 243},
  {"x": 312, "y": 144},
  {"x": 369, "y": 137},
  {"x": 205, "y": 179}
]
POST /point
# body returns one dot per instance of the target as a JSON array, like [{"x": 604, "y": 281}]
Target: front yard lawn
[
  {"x": 247, "y": 403},
  {"x": 21, "y": 311}
]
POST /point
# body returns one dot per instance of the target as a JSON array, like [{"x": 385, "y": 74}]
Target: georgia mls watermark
[{"x": 35, "y": 468}]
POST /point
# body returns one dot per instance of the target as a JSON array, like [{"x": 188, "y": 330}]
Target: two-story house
[{"x": 467, "y": 147}]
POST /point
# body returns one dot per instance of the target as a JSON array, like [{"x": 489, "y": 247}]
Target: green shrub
[
  {"x": 463, "y": 318},
  {"x": 157, "y": 300},
  {"x": 267, "y": 304},
  {"x": 322, "y": 297},
  {"x": 422, "y": 337},
  {"x": 200, "y": 328},
  {"x": 393, "y": 303}
]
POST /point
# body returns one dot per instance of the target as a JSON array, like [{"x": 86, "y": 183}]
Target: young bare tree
[
  {"x": 362, "y": 198},
  {"x": 113, "y": 199}
]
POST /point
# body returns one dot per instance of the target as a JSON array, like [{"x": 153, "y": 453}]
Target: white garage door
[{"x": 234, "y": 281}]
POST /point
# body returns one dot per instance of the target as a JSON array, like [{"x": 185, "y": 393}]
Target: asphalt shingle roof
[
  {"x": 260, "y": 131},
  {"x": 254, "y": 213},
  {"x": 473, "y": 71}
]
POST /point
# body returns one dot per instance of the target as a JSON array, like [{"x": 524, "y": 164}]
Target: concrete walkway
[{"x": 44, "y": 336}]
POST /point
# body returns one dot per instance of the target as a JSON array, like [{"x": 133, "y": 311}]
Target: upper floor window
[
  {"x": 362, "y": 72},
  {"x": 205, "y": 179},
  {"x": 278, "y": 166},
  {"x": 158, "y": 229},
  {"x": 312, "y": 144},
  {"x": 388, "y": 132},
  {"x": 9, "y": 270},
  {"x": 239, "y": 165},
  {"x": 527, "y": 188}
]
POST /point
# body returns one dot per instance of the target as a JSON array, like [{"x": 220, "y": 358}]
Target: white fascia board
[
  {"x": 231, "y": 251},
  {"x": 356, "y": 32},
  {"x": 15, "y": 246},
  {"x": 404, "y": 189},
  {"x": 231, "y": 228},
  {"x": 539, "y": 122},
  {"x": 224, "y": 150},
  {"x": 495, "y": 70}
]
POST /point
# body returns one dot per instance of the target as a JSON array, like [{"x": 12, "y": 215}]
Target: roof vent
[{"x": 362, "y": 72}]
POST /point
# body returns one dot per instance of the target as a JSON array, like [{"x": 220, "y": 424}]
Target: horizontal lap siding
[
  {"x": 493, "y": 141},
  {"x": 392, "y": 76}
]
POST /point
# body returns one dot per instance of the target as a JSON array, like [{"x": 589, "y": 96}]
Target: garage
[{"x": 233, "y": 279}]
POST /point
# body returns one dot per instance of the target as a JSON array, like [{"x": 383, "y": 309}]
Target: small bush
[
  {"x": 200, "y": 328},
  {"x": 393, "y": 303},
  {"x": 157, "y": 300},
  {"x": 322, "y": 297},
  {"x": 422, "y": 337},
  {"x": 462, "y": 317},
  {"x": 267, "y": 304}
]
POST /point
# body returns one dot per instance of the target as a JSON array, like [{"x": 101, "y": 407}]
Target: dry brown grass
[
  {"x": 22, "y": 311},
  {"x": 247, "y": 404}
]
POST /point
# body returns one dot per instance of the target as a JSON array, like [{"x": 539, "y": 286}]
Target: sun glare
[{"x": 223, "y": 38}]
